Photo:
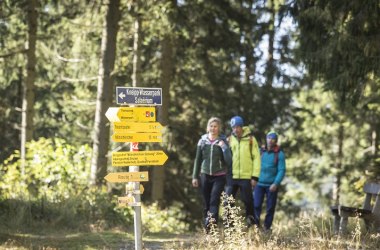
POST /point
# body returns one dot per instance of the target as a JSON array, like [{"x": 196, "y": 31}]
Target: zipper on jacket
[
  {"x": 239, "y": 158},
  {"x": 211, "y": 158}
]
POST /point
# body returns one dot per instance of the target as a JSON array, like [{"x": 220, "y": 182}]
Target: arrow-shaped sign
[
  {"x": 127, "y": 200},
  {"x": 130, "y": 188},
  {"x": 138, "y": 158},
  {"x": 131, "y": 114},
  {"x": 137, "y": 137},
  {"x": 127, "y": 177},
  {"x": 128, "y": 127},
  {"x": 139, "y": 96}
]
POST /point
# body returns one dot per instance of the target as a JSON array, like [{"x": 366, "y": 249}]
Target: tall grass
[{"x": 310, "y": 230}]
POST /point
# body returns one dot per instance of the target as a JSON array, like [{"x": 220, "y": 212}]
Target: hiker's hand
[
  {"x": 195, "y": 182},
  {"x": 221, "y": 143},
  {"x": 273, "y": 188},
  {"x": 253, "y": 183}
]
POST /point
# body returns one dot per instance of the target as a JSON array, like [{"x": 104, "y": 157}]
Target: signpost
[
  {"x": 139, "y": 96},
  {"x": 127, "y": 177},
  {"x": 131, "y": 114},
  {"x": 137, "y": 127},
  {"x": 127, "y": 200},
  {"x": 134, "y": 125},
  {"x": 141, "y": 158},
  {"x": 130, "y": 188},
  {"x": 137, "y": 137}
]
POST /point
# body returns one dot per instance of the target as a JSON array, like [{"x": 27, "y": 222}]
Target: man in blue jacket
[{"x": 271, "y": 174}]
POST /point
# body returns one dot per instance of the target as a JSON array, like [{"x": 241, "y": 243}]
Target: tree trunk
[
  {"x": 339, "y": 164},
  {"x": 136, "y": 74},
  {"x": 28, "y": 88},
  {"x": 270, "y": 68},
  {"x": 105, "y": 93},
  {"x": 167, "y": 68}
]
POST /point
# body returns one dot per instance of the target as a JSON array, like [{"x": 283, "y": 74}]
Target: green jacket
[
  {"x": 245, "y": 164},
  {"x": 210, "y": 157}
]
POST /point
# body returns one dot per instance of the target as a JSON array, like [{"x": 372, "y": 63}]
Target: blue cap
[
  {"x": 272, "y": 135},
  {"x": 236, "y": 121}
]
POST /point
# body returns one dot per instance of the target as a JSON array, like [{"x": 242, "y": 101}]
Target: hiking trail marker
[
  {"x": 127, "y": 177},
  {"x": 139, "y": 158},
  {"x": 137, "y": 137},
  {"x": 131, "y": 114},
  {"x": 138, "y": 96},
  {"x": 134, "y": 125},
  {"x": 137, "y": 127}
]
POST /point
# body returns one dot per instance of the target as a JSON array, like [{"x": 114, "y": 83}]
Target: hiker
[
  {"x": 212, "y": 158},
  {"x": 271, "y": 174},
  {"x": 245, "y": 165}
]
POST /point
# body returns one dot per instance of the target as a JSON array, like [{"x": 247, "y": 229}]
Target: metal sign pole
[{"x": 137, "y": 209}]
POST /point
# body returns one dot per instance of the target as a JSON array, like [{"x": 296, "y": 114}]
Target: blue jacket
[{"x": 272, "y": 171}]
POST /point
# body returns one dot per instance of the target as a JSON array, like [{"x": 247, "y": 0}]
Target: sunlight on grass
[{"x": 310, "y": 230}]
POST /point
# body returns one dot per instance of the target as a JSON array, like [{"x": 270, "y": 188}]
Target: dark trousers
[
  {"x": 259, "y": 193},
  {"x": 211, "y": 188},
  {"x": 233, "y": 185}
]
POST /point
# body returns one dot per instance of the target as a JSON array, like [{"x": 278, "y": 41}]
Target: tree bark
[
  {"x": 105, "y": 93},
  {"x": 27, "y": 125},
  {"x": 271, "y": 68},
  {"x": 167, "y": 68},
  {"x": 339, "y": 164},
  {"x": 136, "y": 74}
]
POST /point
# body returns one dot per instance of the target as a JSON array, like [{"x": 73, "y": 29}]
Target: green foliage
[
  {"x": 54, "y": 170},
  {"x": 168, "y": 220},
  {"x": 54, "y": 191},
  {"x": 337, "y": 44}
]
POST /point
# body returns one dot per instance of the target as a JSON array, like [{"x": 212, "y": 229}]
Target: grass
[
  {"x": 98, "y": 240},
  {"x": 308, "y": 231}
]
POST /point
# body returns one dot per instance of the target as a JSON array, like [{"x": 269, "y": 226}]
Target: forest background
[{"x": 307, "y": 69}]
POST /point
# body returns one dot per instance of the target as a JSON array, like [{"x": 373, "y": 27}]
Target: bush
[{"x": 53, "y": 190}]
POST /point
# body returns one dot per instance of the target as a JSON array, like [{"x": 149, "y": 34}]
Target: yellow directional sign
[
  {"x": 127, "y": 176},
  {"x": 127, "y": 200},
  {"x": 131, "y": 114},
  {"x": 127, "y": 127},
  {"x": 130, "y": 188},
  {"x": 138, "y": 158},
  {"x": 137, "y": 137}
]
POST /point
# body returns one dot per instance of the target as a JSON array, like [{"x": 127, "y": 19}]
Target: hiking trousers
[
  {"x": 271, "y": 199},
  {"x": 211, "y": 188},
  {"x": 244, "y": 185}
]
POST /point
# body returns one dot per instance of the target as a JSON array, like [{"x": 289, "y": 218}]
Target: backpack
[{"x": 276, "y": 150}]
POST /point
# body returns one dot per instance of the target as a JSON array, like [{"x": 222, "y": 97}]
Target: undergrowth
[{"x": 308, "y": 231}]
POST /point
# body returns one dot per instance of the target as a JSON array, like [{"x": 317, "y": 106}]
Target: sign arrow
[
  {"x": 139, "y": 96},
  {"x": 137, "y": 127},
  {"x": 130, "y": 188},
  {"x": 127, "y": 177},
  {"x": 127, "y": 200},
  {"x": 137, "y": 137},
  {"x": 131, "y": 114},
  {"x": 122, "y": 95},
  {"x": 138, "y": 158}
]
